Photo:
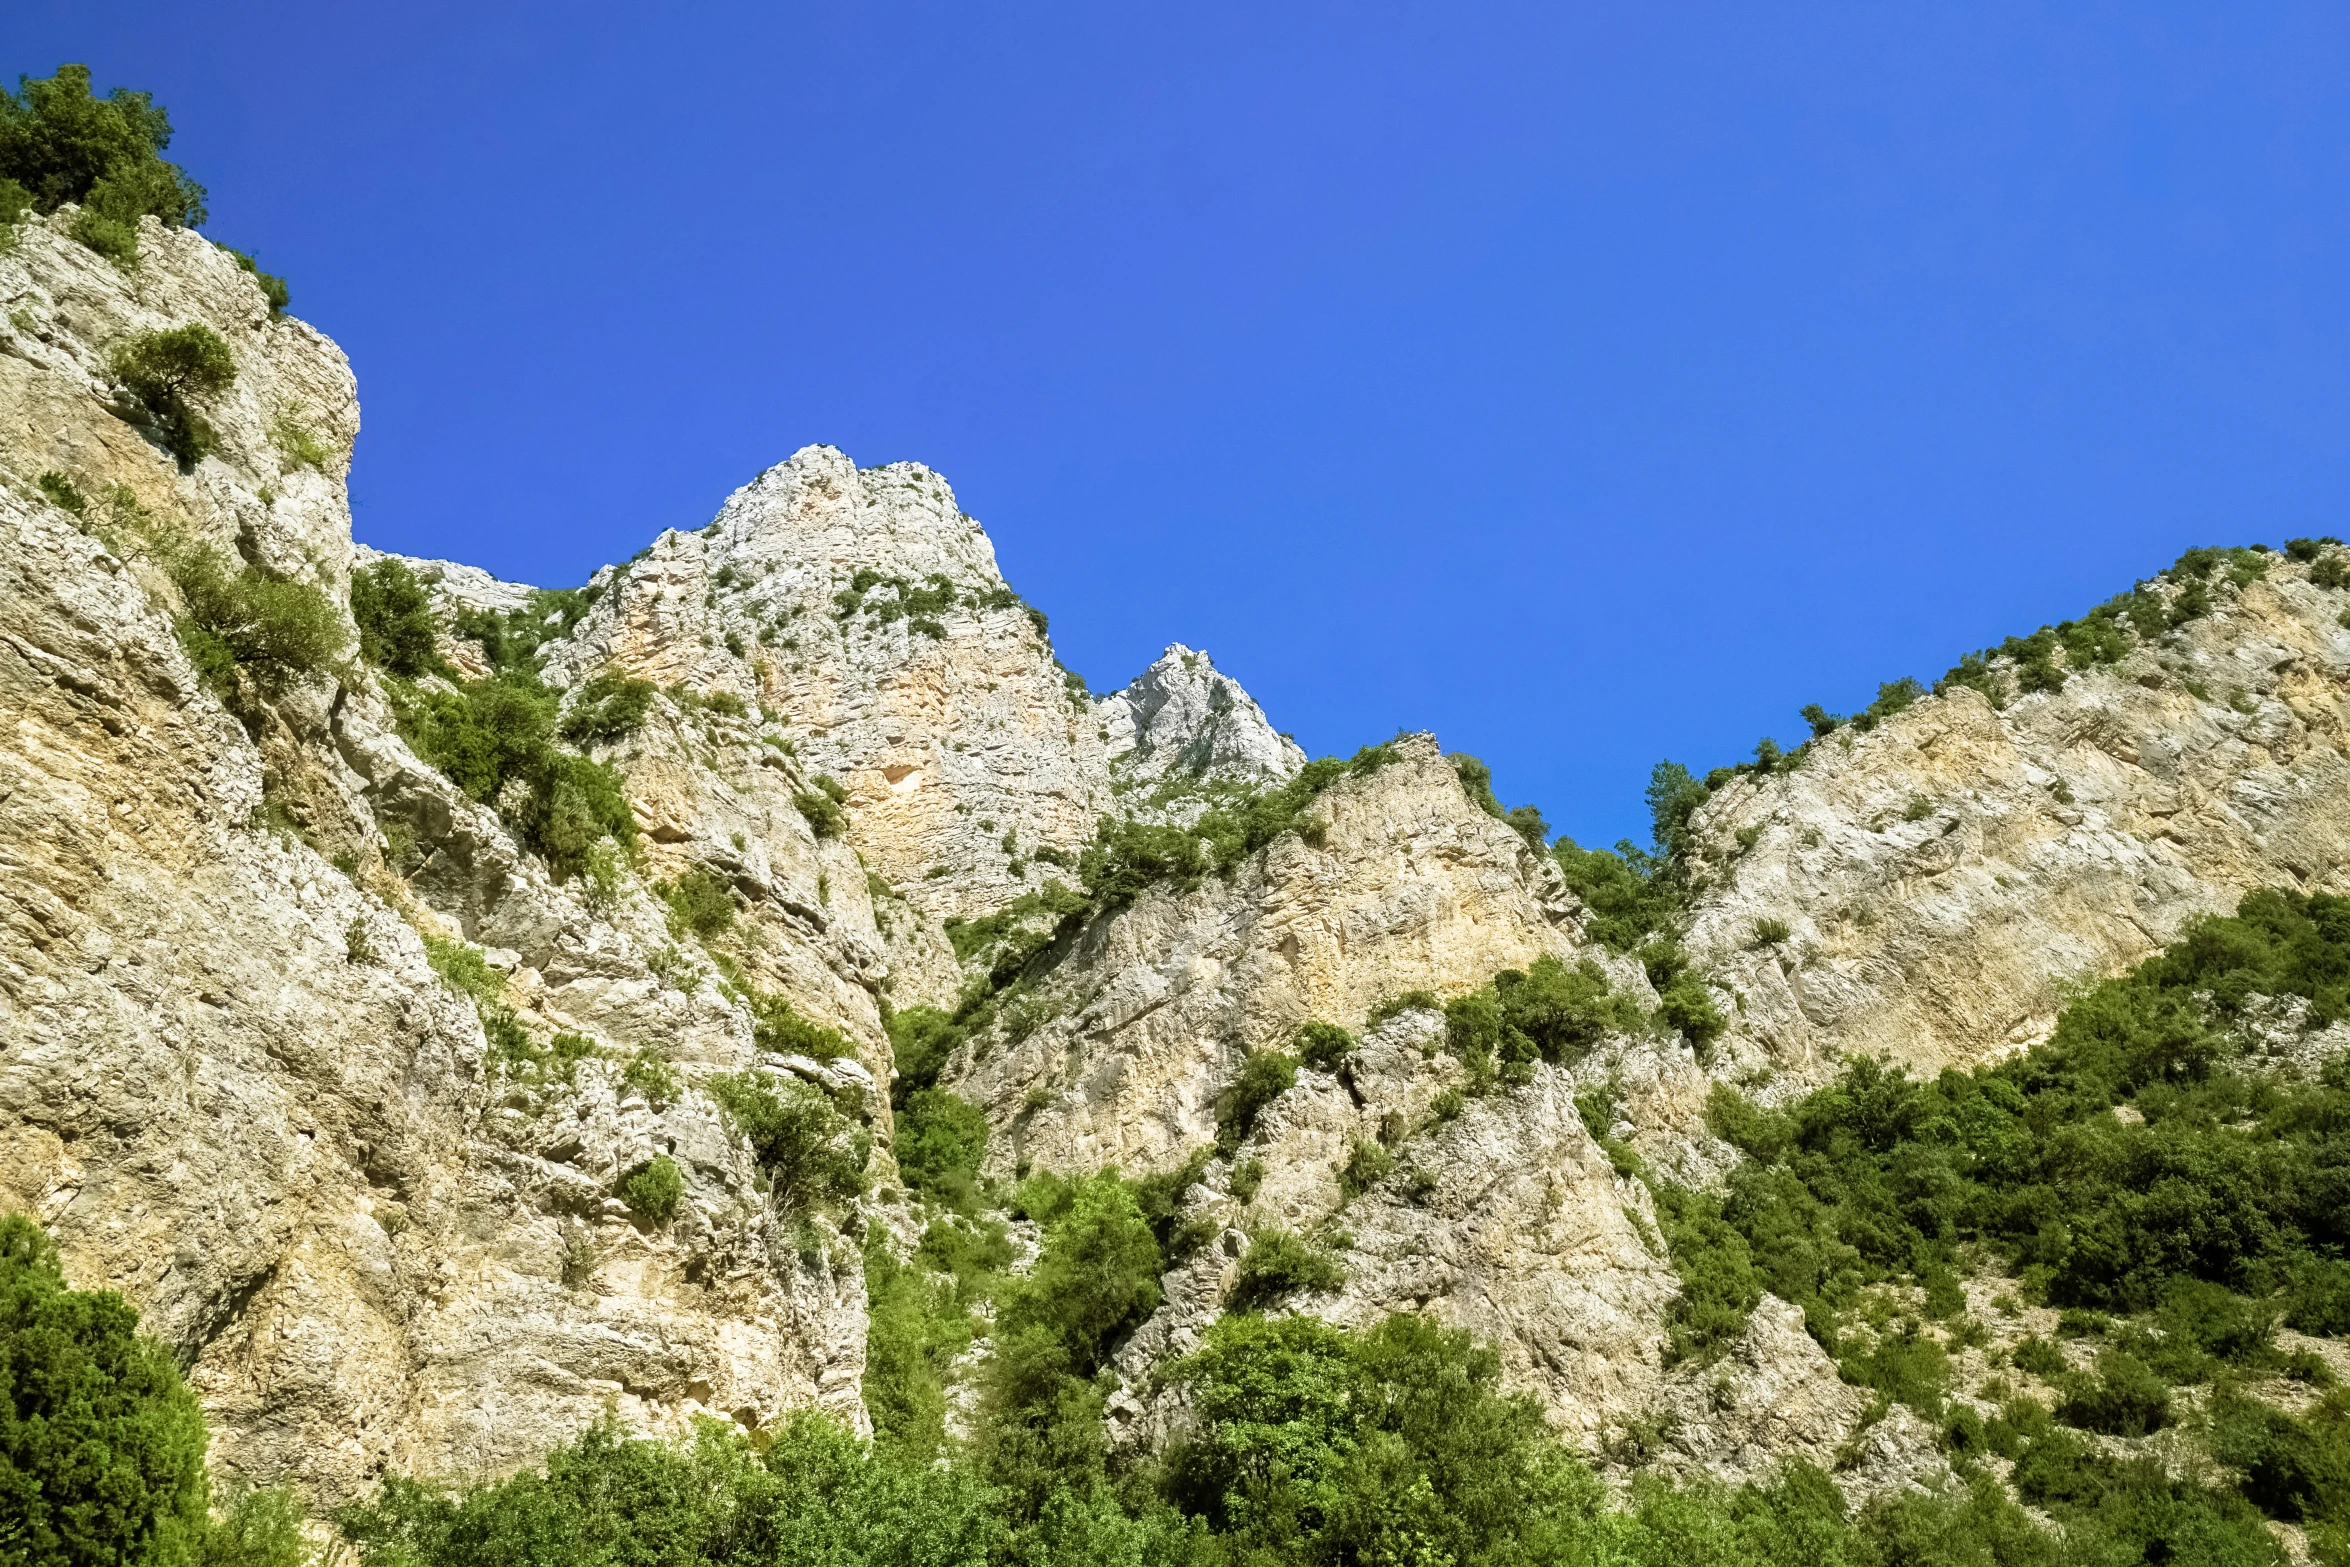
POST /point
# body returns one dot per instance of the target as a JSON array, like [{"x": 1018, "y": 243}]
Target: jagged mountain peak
[{"x": 1183, "y": 716}]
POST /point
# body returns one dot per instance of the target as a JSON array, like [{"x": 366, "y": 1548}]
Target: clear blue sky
[{"x": 1588, "y": 384}]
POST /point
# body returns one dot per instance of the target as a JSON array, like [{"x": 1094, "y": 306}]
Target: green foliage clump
[
  {"x": 1525, "y": 820},
  {"x": 1128, "y": 857},
  {"x": 277, "y": 296},
  {"x": 394, "y": 614},
  {"x": 63, "y": 493},
  {"x": 493, "y": 739},
  {"x": 248, "y": 633},
  {"x": 777, "y": 1027},
  {"x": 1323, "y": 1046},
  {"x": 821, "y": 806},
  {"x": 811, "y": 1156},
  {"x": 941, "y": 1141},
  {"x": 511, "y": 639},
  {"x": 169, "y": 372},
  {"x": 701, "y": 902},
  {"x": 60, "y": 143},
  {"x": 1264, "y": 1077},
  {"x": 101, "y": 1445},
  {"x": 1549, "y": 1012},
  {"x": 1314, "y": 1445},
  {"x": 607, "y": 707},
  {"x": 1278, "y": 1265},
  {"x": 653, "y": 1189},
  {"x": 1632, "y": 894}
]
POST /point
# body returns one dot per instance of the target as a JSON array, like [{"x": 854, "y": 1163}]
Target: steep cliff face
[
  {"x": 1396, "y": 883},
  {"x": 233, "y": 1086},
  {"x": 1947, "y": 878},
  {"x": 863, "y": 610}
]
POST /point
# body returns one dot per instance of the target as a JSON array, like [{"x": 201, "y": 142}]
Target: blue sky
[{"x": 1589, "y": 384}]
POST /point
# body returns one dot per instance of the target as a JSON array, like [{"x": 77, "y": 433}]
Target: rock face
[
  {"x": 1180, "y": 718},
  {"x": 233, "y": 1087},
  {"x": 1948, "y": 876},
  {"x": 1398, "y": 883},
  {"x": 236, "y": 1085}
]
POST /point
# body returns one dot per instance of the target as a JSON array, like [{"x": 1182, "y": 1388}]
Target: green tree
[
  {"x": 59, "y": 144},
  {"x": 101, "y": 1445},
  {"x": 169, "y": 372},
  {"x": 396, "y": 629}
]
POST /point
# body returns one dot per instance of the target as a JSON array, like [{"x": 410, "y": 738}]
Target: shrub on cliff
[
  {"x": 248, "y": 624},
  {"x": 396, "y": 630},
  {"x": 169, "y": 372}
]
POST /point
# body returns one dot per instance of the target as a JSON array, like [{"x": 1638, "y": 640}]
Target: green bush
[
  {"x": 941, "y": 1141},
  {"x": 249, "y": 624},
  {"x": 1323, "y": 1046},
  {"x": 1278, "y": 1265},
  {"x": 492, "y": 739},
  {"x": 810, "y": 1155},
  {"x": 1367, "y": 1164},
  {"x": 394, "y": 615},
  {"x": 653, "y": 1189},
  {"x": 1686, "y": 1006},
  {"x": 60, "y": 144},
  {"x": 700, "y": 901},
  {"x": 2123, "y": 1398},
  {"x": 101, "y": 1445},
  {"x": 825, "y": 818},
  {"x": 1264, "y": 1077},
  {"x": 1128, "y": 857},
  {"x": 169, "y": 372},
  {"x": 776, "y": 1027},
  {"x": 607, "y": 707}
]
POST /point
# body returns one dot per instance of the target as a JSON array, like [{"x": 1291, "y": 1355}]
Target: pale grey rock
[
  {"x": 1948, "y": 877},
  {"x": 1183, "y": 719}
]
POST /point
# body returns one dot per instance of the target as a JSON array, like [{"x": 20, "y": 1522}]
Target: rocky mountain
[{"x": 355, "y": 1050}]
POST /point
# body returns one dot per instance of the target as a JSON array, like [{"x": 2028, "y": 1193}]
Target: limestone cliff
[{"x": 306, "y": 1051}]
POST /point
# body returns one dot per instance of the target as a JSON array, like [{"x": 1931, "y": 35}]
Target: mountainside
[{"x": 452, "y": 1011}]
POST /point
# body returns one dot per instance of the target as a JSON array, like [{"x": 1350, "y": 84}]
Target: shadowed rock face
[{"x": 234, "y": 1087}]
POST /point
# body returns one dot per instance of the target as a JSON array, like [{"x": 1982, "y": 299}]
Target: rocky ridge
[{"x": 239, "y": 1088}]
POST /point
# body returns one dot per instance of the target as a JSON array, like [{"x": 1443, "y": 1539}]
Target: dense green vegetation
[
  {"x": 169, "y": 373},
  {"x": 495, "y": 738},
  {"x": 59, "y": 143},
  {"x": 2137, "y": 1169},
  {"x": 248, "y": 633},
  {"x": 394, "y": 616},
  {"x": 101, "y": 1444}
]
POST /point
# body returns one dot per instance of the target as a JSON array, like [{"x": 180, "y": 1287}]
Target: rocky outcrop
[
  {"x": 1395, "y": 883},
  {"x": 862, "y": 612},
  {"x": 1946, "y": 878},
  {"x": 1181, "y": 719},
  {"x": 230, "y": 1082}
]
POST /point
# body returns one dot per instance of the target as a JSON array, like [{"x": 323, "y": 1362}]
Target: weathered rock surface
[
  {"x": 1950, "y": 875},
  {"x": 1397, "y": 884},
  {"x": 1182, "y": 718},
  {"x": 229, "y": 1081},
  {"x": 234, "y": 1087}
]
